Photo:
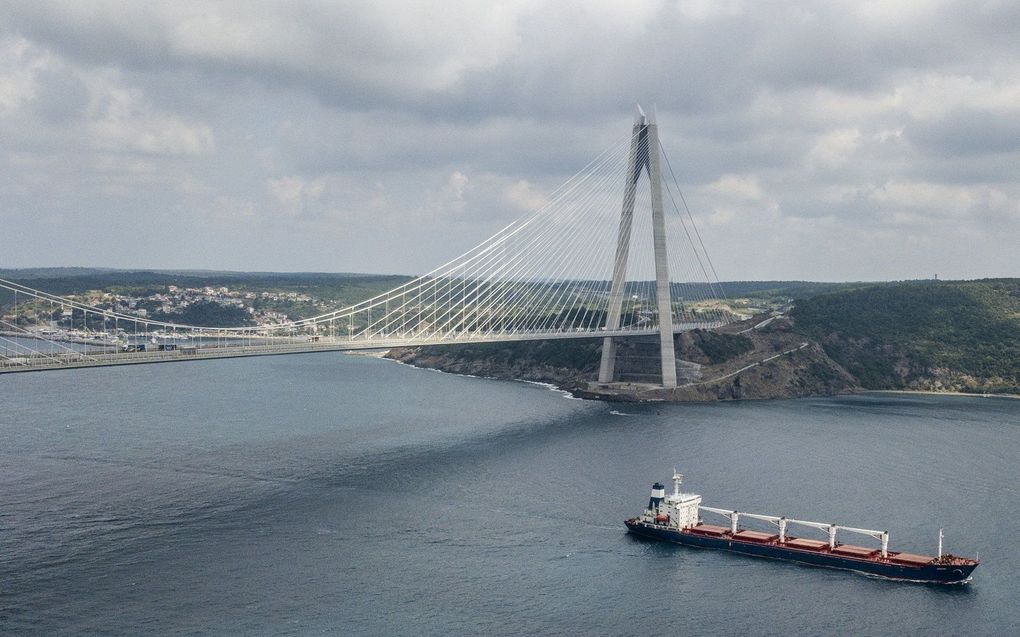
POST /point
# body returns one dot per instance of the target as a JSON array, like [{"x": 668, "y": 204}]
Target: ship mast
[{"x": 677, "y": 479}]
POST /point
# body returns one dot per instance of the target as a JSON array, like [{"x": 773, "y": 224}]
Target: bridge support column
[
  {"x": 644, "y": 155},
  {"x": 607, "y": 368},
  {"x": 663, "y": 290}
]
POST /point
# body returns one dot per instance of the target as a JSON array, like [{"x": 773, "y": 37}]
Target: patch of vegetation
[
  {"x": 566, "y": 353},
  {"x": 793, "y": 289},
  {"x": 208, "y": 314},
  {"x": 718, "y": 348},
  {"x": 893, "y": 335}
]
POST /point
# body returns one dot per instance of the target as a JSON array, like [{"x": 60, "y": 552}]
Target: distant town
[
  {"x": 245, "y": 305},
  {"x": 177, "y": 300}
]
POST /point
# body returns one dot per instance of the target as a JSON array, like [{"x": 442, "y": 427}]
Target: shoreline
[
  {"x": 574, "y": 394},
  {"x": 370, "y": 353},
  {"x": 928, "y": 392},
  {"x": 564, "y": 393}
]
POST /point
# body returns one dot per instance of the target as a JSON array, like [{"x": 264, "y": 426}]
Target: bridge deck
[{"x": 70, "y": 360}]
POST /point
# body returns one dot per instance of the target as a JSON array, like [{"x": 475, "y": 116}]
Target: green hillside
[{"x": 956, "y": 335}]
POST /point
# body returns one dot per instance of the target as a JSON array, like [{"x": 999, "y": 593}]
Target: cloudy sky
[{"x": 816, "y": 140}]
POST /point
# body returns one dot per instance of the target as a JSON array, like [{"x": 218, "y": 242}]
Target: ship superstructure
[{"x": 677, "y": 518}]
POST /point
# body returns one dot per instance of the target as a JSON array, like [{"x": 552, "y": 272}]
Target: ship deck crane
[{"x": 783, "y": 522}]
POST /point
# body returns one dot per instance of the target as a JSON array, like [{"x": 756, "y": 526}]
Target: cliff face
[
  {"x": 774, "y": 362},
  {"x": 567, "y": 364},
  {"x": 723, "y": 365}
]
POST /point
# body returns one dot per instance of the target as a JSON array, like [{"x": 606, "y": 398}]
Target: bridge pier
[
  {"x": 607, "y": 367},
  {"x": 644, "y": 155}
]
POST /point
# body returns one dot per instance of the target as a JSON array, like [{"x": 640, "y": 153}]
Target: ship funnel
[{"x": 658, "y": 494}]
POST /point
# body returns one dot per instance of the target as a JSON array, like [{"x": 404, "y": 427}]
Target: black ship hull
[{"x": 928, "y": 573}]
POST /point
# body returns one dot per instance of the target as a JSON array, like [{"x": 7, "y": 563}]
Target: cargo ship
[{"x": 677, "y": 518}]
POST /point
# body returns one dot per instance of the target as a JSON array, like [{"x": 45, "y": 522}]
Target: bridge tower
[{"x": 644, "y": 156}]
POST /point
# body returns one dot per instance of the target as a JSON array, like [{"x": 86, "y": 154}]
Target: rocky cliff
[{"x": 771, "y": 362}]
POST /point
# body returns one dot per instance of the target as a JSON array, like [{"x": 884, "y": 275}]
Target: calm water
[{"x": 325, "y": 494}]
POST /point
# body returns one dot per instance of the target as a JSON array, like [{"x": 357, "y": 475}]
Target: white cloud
[
  {"x": 739, "y": 187},
  {"x": 703, "y": 10},
  {"x": 18, "y": 65},
  {"x": 933, "y": 199},
  {"x": 723, "y": 215},
  {"x": 152, "y": 134},
  {"x": 835, "y": 148},
  {"x": 124, "y": 120},
  {"x": 405, "y": 46},
  {"x": 524, "y": 196},
  {"x": 933, "y": 95},
  {"x": 295, "y": 194}
]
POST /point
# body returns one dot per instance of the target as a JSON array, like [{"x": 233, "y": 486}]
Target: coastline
[
  {"x": 939, "y": 393},
  {"x": 371, "y": 353},
  {"x": 565, "y": 393},
  {"x": 764, "y": 364},
  {"x": 574, "y": 388}
]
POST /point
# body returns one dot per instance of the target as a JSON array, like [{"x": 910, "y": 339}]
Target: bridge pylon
[{"x": 644, "y": 156}]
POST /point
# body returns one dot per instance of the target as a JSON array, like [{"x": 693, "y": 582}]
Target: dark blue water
[{"x": 325, "y": 494}]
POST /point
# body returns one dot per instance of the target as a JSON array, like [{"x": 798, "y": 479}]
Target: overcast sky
[{"x": 824, "y": 140}]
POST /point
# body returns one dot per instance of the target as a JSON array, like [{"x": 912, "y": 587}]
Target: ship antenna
[{"x": 940, "y": 544}]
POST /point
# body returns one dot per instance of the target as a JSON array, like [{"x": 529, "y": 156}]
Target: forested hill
[{"x": 953, "y": 335}]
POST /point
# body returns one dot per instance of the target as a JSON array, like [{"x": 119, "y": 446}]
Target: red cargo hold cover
[
  {"x": 755, "y": 536},
  {"x": 854, "y": 551},
  {"x": 912, "y": 559},
  {"x": 708, "y": 529},
  {"x": 803, "y": 543}
]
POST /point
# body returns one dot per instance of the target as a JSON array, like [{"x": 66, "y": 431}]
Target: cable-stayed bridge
[{"x": 601, "y": 257}]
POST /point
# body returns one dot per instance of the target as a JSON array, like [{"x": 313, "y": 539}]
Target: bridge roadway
[{"x": 76, "y": 360}]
